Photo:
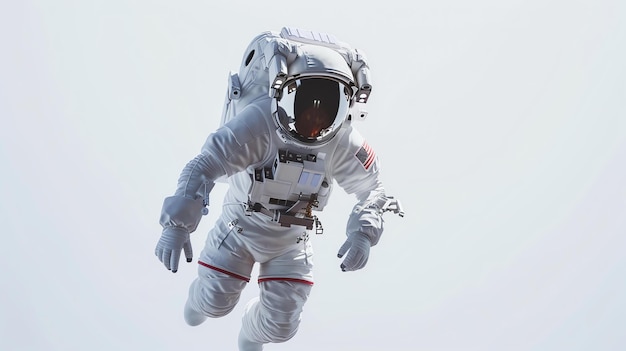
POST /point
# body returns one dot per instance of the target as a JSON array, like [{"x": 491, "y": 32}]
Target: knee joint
[{"x": 280, "y": 331}]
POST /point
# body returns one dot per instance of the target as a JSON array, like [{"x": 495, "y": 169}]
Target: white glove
[
  {"x": 358, "y": 248},
  {"x": 172, "y": 241}
]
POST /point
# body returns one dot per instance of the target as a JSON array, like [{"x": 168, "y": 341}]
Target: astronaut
[{"x": 286, "y": 138}]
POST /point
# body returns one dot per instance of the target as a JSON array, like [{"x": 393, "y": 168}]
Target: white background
[{"x": 501, "y": 125}]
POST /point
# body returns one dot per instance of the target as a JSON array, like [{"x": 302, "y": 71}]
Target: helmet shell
[{"x": 315, "y": 99}]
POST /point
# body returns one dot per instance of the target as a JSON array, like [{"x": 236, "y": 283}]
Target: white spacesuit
[{"x": 286, "y": 138}]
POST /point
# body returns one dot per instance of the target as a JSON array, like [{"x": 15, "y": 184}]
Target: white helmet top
[{"x": 312, "y": 78}]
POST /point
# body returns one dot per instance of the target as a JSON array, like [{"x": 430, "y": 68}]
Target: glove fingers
[
  {"x": 174, "y": 258},
  {"x": 165, "y": 258},
  {"x": 357, "y": 248},
  {"x": 352, "y": 261},
  {"x": 344, "y": 248},
  {"x": 188, "y": 250}
]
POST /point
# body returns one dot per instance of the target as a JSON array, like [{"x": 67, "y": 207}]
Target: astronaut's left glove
[
  {"x": 364, "y": 229},
  {"x": 358, "y": 248}
]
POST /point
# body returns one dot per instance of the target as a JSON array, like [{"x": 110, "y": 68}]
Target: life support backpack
[{"x": 264, "y": 69}]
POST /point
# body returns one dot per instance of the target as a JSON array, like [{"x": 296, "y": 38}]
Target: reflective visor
[{"x": 313, "y": 108}]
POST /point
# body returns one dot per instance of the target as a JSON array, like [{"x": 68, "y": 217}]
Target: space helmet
[{"x": 314, "y": 101}]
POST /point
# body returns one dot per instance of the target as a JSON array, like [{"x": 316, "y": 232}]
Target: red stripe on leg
[{"x": 303, "y": 281}]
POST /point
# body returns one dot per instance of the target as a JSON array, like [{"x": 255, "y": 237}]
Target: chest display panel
[{"x": 294, "y": 182}]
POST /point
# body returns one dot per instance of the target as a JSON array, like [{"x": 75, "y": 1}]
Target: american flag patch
[{"x": 366, "y": 155}]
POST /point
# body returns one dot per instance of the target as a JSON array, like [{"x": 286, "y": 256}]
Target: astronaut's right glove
[
  {"x": 179, "y": 217},
  {"x": 172, "y": 241},
  {"x": 358, "y": 248}
]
